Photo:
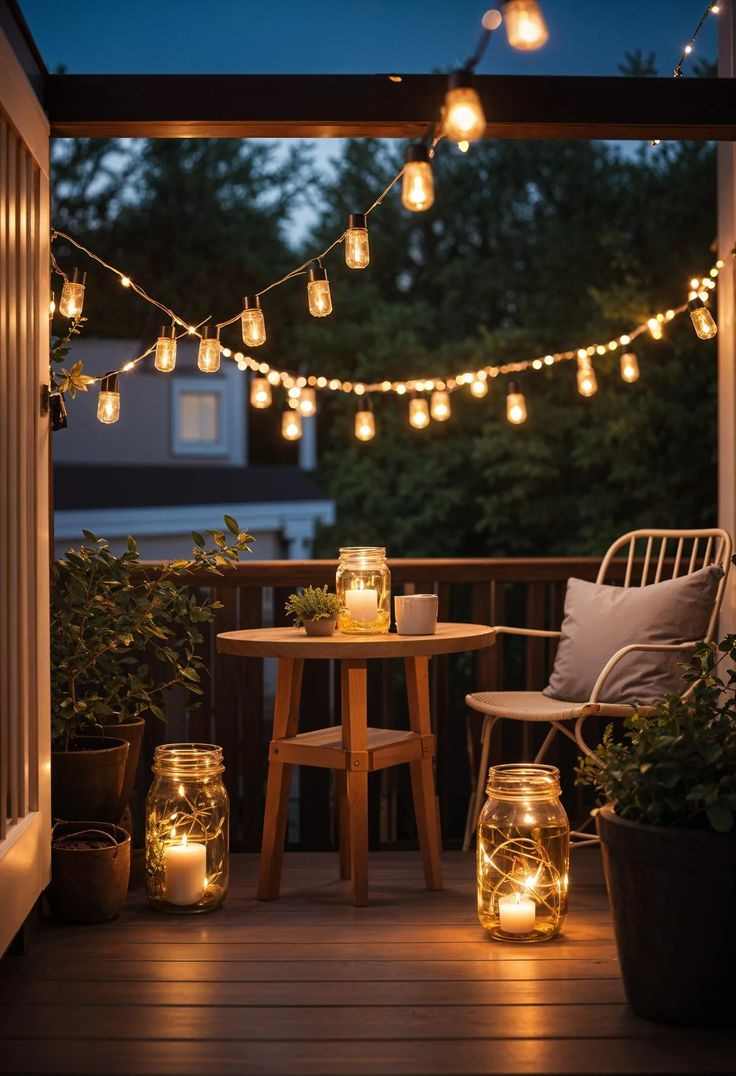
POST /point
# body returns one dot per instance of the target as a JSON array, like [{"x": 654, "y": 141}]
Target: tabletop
[{"x": 293, "y": 643}]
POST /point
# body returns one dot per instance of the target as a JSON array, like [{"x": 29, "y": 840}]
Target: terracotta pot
[
  {"x": 320, "y": 627},
  {"x": 90, "y": 866},
  {"x": 132, "y": 732},
  {"x": 673, "y": 894},
  {"x": 88, "y": 781}
]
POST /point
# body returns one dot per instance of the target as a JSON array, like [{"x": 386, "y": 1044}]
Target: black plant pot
[
  {"x": 673, "y": 895},
  {"x": 89, "y": 780}
]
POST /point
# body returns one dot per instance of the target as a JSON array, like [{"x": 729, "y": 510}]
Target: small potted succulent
[
  {"x": 668, "y": 835},
  {"x": 315, "y": 609}
]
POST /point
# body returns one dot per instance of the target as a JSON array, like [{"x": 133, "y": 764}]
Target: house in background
[{"x": 189, "y": 450}]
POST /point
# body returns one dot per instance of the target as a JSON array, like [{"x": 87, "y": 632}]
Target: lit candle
[
  {"x": 517, "y": 914},
  {"x": 362, "y": 604},
  {"x": 185, "y": 867}
]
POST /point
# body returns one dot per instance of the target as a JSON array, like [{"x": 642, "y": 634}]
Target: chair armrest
[
  {"x": 534, "y": 633},
  {"x": 614, "y": 660}
]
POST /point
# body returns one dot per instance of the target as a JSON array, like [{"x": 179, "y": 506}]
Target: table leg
[
  {"x": 422, "y": 772},
  {"x": 285, "y": 724},
  {"x": 343, "y": 822},
  {"x": 354, "y": 692}
]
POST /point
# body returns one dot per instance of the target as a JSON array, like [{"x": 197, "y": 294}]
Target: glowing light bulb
[
  {"x": 587, "y": 381},
  {"x": 291, "y": 425},
  {"x": 165, "y": 357},
  {"x": 252, "y": 322},
  {"x": 629, "y": 367},
  {"x": 702, "y": 319},
  {"x": 52, "y": 307},
  {"x": 440, "y": 406},
  {"x": 525, "y": 25},
  {"x": 479, "y": 388},
  {"x": 655, "y": 328},
  {"x": 260, "y": 393},
  {"x": 463, "y": 145},
  {"x": 515, "y": 404},
  {"x": 418, "y": 413},
  {"x": 108, "y": 404},
  {"x": 307, "y": 402},
  {"x": 274, "y": 377},
  {"x": 71, "y": 300},
  {"x": 365, "y": 426},
  {"x": 208, "y": 356},
  {"x": 125, "y": 281},
  {"x": 319, "y": 299},
  {"x": 464, "y": 118},
  {"x": 357, "y": 247},
  {"x": 417, "y": 185}
]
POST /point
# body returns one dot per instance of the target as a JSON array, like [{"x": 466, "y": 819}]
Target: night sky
[{"x": 339, "y": 36}]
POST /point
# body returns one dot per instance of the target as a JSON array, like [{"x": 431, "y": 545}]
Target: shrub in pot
[
  {"x": 121, "y": 639},
  {"x": 315, "y": 609},
  {"x": 668, "y": 835}
]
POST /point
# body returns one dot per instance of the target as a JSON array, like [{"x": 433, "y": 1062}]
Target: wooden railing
[{"x": 236, "y": 712}]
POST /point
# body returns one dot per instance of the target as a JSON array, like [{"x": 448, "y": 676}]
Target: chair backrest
[{"x": 690, "y": 550}]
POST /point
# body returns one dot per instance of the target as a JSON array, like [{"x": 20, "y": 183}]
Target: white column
[
  {"x": 299, "y": 535},
  {"x": 308, "y": 444},
  {"x": 727, "y": 319}
]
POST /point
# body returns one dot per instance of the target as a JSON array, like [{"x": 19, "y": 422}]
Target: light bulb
[
  {"x": 125, "y": 281},
  {"x": 108, "y": 404},
  {"x": 655, "y": 328},
  {"x": 252, "y": 322},
  {"x": 702, "y": 319},
  {"x": 417, "y": 186},
  {"x": 307, "y": 402},
  {"x": 525, "y": 25},
  {"x": 52, "y": 306},
  {"x": 418, "y": 413},
  {"x": 587, "y": 381},
  {"x": 319, "y": 299},
  {"x": 165, "y": 358},
  {"x": 365, "y": 426},
  {"x": 515, "y": 404},
  {"x": 291, "y": 425},
  {"x": 357, "y": 247},
  {"x": 629, "y": 367},
  {"x": 208, "y": 357},
  {"x": 464, "y": 118},
  {"x": 479, "y": 388},
  {"x": 260, "y": 393},
  {"x": 71, "y": 300},
  {"x": 440, "y": 406}
]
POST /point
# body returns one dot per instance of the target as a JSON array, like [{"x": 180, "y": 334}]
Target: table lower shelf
[{"x": 325, "y": 747}]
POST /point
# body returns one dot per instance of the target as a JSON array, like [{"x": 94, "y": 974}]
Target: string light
[
  {"x": 52, "y": 306},
  {"x": 587, "y": 381},
  {"x": 307, "y": 402},
  {"x": 260, "y": 393},
  {"x": 655, "y": 328},
  {"x": 291, "y": 425},
  {"x": 440, "y": 408},
  {"x": 108, "y": 402},
  {"x": 365, "y": 423},
  {"x": 71, "y": 300},
  {"x": 463, "y": 145},
  {"x": 417, "y": 190},
  {"x": 711, "y": 9},
  {"x": 479, "y": 386},
  {"x": 357, "y": 247},
  {"x": 464, "y": 118},
  {"x": 418, "y": 413},
  {"x": 208, "y": 356},
  {"x": 253, "y": 323},
  {"x": 526, "y": 28},
  {"x": 629, "y": 367},
  {"x": 702, "y": 319},
  {"x": 319, "y": 299},
  {"x": 125, "y": 281},
  {"x": 515, "y": 404},
  {"x": 165, "y": 355}
]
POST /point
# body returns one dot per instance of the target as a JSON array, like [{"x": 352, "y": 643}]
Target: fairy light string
[{"x": 689, "y": 48}]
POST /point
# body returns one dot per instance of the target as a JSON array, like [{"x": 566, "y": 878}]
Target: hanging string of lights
[
  {"x": 689, "y": 48},
  {"x": 463, "y": 121}
]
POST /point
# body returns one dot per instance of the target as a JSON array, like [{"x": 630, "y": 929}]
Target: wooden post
[
  {"x": 354, "y": 681},
  {"x": 422, "y": 772}
]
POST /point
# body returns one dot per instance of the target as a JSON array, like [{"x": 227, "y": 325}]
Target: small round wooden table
[{"x": 355, "y": 750}]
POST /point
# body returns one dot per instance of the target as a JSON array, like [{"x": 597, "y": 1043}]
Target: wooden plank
[
  {"x": 6, "y": 654},
  {"x": 347, "y": 106}
]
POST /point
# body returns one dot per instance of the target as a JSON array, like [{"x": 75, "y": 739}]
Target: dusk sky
[{"x": 340, "y": 36}]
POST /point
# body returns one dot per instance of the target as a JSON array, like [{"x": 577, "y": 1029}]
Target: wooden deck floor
[{"x": 310, "y": 985}]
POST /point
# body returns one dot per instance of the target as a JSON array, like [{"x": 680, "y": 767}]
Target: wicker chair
[{"x": 569, "y": 718}]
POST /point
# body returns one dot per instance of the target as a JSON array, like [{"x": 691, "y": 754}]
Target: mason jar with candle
[
  {"x": 187, "y": 829},
  {"x": 363, "y": 587},
  {"x": 523, "y": 854}
]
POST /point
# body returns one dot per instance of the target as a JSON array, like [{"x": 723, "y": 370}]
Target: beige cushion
[
  {"x": 522, "y": 706},
  {"x": 600, "y": 619}
]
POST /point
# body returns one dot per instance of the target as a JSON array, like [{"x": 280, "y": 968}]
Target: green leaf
[
  {"x": 232, "y": 525},
  {"x": 198, "y": 539},
  {"x": 720, "y": 817}
]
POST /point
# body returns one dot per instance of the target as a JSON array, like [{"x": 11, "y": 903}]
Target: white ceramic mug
[{"x": 416, "y": 614}]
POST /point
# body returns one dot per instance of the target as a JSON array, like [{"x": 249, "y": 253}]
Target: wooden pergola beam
[{"x": 341, "y": 106}]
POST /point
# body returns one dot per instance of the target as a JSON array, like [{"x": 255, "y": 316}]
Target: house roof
[{"x": 78, "y": 486}]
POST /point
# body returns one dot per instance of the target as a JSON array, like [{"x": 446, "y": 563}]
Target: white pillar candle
[
  {"x": 185, "y": 866},
  {"x": 362, "y": 604},
  {"x": 517, "y": 914}
]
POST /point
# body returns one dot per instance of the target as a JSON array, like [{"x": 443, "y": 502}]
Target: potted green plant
[
  {"x": 121, "y": 640},
  {"x": 315, "y": 609},
  {"x": 669, "y": 845}
]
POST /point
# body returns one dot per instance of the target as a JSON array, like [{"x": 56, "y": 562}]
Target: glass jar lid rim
[
  {"x": 191, "y": 758},
  {"x": 523, "y": 778},
  {"x": 356, "y": 550}
]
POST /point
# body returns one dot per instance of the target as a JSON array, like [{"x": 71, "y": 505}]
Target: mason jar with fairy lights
[
  {"x": 523, "y": 854},
  {"x": 363, "y": 587},
  {"x": 187, "y": 829}
]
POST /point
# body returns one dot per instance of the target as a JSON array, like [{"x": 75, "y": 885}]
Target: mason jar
[
  {"x": 523, "y": 854},
  {"x": 363, "y": 587},
  {"x": 187, "y": 829}
]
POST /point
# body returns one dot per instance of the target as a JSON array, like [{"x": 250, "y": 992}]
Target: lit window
[{"x": 199, "y": 417}]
